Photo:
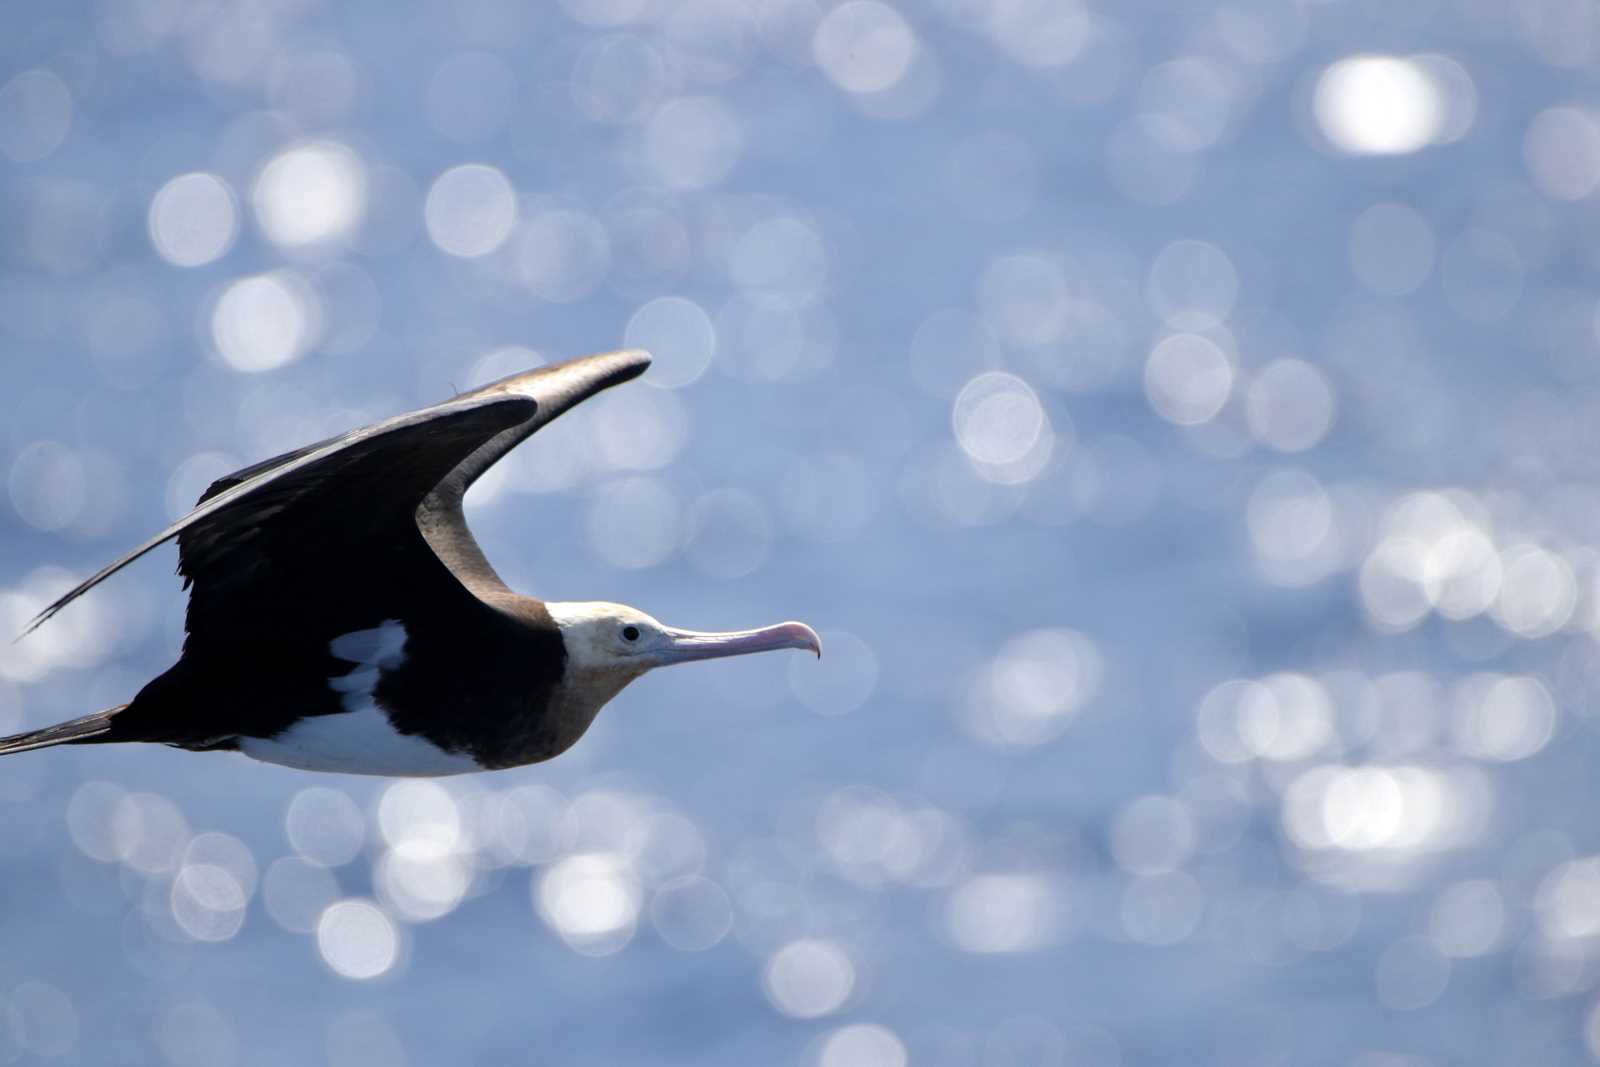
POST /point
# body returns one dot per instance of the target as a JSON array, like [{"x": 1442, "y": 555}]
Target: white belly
[{"x": 359, "y": 741}]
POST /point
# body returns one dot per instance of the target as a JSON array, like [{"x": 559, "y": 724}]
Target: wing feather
[
  {"x": 236, "y": 514},
  {"x": 341, "y": 517},
  {"x": 556, "y": 389}
]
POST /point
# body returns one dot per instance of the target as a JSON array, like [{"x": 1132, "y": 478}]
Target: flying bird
[{"x": 341, "y": 616}]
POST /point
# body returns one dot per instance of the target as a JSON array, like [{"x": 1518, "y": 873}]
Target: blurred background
[{"x": 1179, "y": 420}]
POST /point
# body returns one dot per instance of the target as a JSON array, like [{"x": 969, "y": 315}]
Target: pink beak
[{"x": 687, "y": 645}]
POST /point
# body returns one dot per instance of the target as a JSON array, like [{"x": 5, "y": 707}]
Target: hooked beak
[{"x": 686, "y": 645}]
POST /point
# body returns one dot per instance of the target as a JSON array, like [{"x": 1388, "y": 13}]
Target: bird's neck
[{"x": 589, "y": 676}]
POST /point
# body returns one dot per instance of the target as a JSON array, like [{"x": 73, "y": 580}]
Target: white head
[{"x": 609, "y": 645}]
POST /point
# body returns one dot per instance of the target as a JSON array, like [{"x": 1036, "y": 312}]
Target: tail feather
[{"x": 87, "y": 729}]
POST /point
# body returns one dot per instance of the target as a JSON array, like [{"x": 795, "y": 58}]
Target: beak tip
[{"x": 808, "y": 638}]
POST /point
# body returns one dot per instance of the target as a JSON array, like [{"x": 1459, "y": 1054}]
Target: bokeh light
[
  {"x": 864, "y": 46},
  {"x": 693, "y": 142},
  {"x": 193, "y": 219},
  {"x": 691, "y": 913},
  {"x": 808, "y": 978},
  {"x": 35, "y": 115},
  {"x": 1192, "y": 285},
  {"x": 994, "y": 913},
  {"x": 43, "y": 1019},
  {"x": 325, "y": 826},
  {"x": 470, "y": 210},
  {"x": 862, "y": 1045},
  {"x": 1563, "y": 152},
  {"x": 357, "y": 940},
  {"x": 48, "y": 485},
  {"x": 678, "y": 333},
  {"x": 1002, "y": 428},
  {"x": 310, "y": 194},
  {"x": 1381, "y": 105},
  {"x": 265, "y": 321},
  {"x": 1178, "y": 424},
  {"x": 563, "y": 255},
  {"x": 591, "y": 901},
  {"x": 1188, "y": 378},
  {"x": 1290, "y": 405}
]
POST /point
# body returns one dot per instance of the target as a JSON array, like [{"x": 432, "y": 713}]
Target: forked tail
[{"x": 88, "y": 729}]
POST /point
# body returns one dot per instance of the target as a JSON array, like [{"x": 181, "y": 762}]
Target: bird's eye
[{"x": 630, "y": 633}]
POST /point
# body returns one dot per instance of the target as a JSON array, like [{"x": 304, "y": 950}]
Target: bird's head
[{"x": 609, "y": 645}]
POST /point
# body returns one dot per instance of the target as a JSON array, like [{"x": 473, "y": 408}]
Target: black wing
[
  {"x": 555, "y": 389},
  {"x": 316, "y": 501},
  {"x": 327, "y": 535}
]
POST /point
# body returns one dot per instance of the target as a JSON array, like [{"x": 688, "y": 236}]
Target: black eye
[{"x": 630, "y": 633}]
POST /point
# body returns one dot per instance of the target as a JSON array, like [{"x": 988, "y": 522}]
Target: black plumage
[{"x": 285, "y": 556}]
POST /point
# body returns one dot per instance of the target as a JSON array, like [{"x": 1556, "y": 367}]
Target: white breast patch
[{"x": 360, "y": 739}]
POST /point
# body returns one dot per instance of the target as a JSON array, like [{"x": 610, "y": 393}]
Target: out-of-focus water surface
[{"x": 1179, "y": 420}]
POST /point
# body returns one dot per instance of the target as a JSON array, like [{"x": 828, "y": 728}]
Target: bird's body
[{"x": 342, "y": 618}]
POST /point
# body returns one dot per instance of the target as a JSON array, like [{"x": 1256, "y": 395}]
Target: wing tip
[
  {"x": 37, "y": 621},
  {"x": 605, "y": 369},
  {"x": 588, "y": 375},
  {"x": 597, "y": 371},
  {"x": 54, "y": 607},
  {"x": 635, "y": 357},
  {"x": 624, "y": 364}
]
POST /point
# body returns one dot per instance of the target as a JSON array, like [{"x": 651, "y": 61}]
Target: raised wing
[
  {"x": 363, "y": 478},
  {"x": 303, "y": 538},
  {"x": 554, "y": 389}
]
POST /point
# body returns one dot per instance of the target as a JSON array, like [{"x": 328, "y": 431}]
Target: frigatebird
[{"x": 341, "y": 616}]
